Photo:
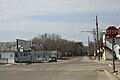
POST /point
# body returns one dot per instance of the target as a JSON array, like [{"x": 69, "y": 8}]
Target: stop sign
[{"x": 112, "y": 31}]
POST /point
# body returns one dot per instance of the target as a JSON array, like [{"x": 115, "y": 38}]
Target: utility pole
[
  {"x": 88, "y": 46},
  {"x": 95, "y": 43},
  {"x": 98, "y": 51}
]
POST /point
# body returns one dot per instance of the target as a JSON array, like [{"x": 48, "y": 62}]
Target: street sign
[{"x": 111, "y": 32}]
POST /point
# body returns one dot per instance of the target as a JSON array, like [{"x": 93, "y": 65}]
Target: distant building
[
  {"x": 7, "y": 50},
  {"x": 23, "y": 51}
]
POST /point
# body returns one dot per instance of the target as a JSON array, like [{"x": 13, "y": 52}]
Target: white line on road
[{"x": 109, "y": 65}]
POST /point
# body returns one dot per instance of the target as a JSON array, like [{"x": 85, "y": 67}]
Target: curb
[
  {"x": 14, "y": 64},
  {"x": 111, "y": 76}
]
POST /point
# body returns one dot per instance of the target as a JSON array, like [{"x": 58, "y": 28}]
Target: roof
[
  {"x": 8, "y": 46},
  {"x": 118, "y": 27}
]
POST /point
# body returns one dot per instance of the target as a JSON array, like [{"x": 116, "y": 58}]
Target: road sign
[{"x": 112, "y": 31}]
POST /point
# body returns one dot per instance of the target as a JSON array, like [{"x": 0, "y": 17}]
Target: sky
[{"x": 26, "y": 19}]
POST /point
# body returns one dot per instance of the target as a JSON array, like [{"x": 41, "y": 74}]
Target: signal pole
[{"x": 98, "y": 51}]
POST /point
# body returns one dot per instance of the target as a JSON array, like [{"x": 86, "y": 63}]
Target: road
[{"x": 77, "y": 68}]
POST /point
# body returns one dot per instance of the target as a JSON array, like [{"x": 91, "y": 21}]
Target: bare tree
[{"x": 55, "y": 42}]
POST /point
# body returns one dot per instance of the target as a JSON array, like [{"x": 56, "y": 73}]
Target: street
[{"x": 77, "y": 68}]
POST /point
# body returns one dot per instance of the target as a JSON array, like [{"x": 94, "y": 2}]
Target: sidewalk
[
  {"x": 109, "y": 70},
  {"x": 111, "y": 75}
]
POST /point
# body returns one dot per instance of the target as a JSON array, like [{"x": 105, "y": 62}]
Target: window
[
  {"x": 119, "y": 51},
  {"x": 25, "y": 44},
  {"x": 21, "y": 43},
  {"x": 23, "y": 54},
  {"x": 20, "y": 54},
  {"x": 26, "y": 54},
  {"x": 44, "y": 56},
  {"x": 16, "y": 55},
  {"x": 11, "y": 55}
]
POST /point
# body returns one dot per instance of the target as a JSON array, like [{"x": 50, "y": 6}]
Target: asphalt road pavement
[{"x": 77, "y": 68}]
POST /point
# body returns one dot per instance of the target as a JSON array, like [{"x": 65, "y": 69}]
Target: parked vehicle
[{"x": 52, "y": 59}]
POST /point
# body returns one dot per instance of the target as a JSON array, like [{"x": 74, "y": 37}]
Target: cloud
[
  {"x": 64, "y": 17},
  {"x": 27, "y": 28},
  {"x": 46, "y": 6},
  {"x": 41, "y": 25}
]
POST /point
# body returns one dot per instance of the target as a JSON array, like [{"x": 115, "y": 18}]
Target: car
[{"x": 52, "y": 59}]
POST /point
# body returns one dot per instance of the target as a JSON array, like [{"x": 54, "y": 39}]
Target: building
[
  {"x": 10, "y": 50},
  {"x": 21, "y": 51},
  {"x": 107, "y": 54},
  {"x": 35, "y": 56},
  {"x": 7, "y": 50}
]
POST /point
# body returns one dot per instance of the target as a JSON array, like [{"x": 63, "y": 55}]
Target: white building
[
  {"x": 107, "y": 54},
  {"x": 7, "y": 57},
  {"x": 7, "y": 50}
]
